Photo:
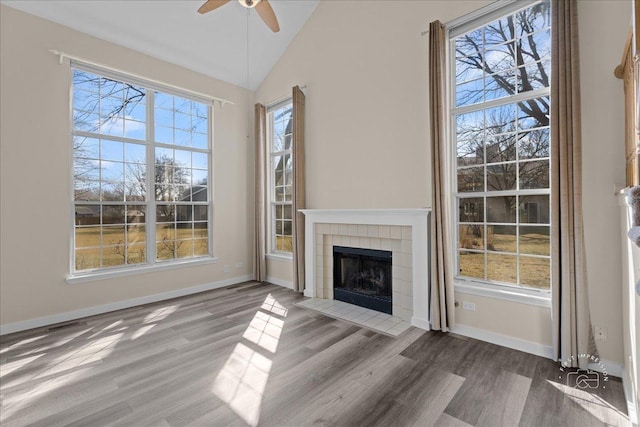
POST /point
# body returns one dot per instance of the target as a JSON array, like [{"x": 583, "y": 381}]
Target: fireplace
[{"x": 363, "y": 277}]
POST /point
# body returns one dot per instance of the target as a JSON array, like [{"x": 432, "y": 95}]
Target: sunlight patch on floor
[
  {"x": 107, "y": 328},
  {"x": 270, "y": 304},
  {"x": 92, "y": 351},
  {"x": 160, "y": 314},
  {"x": 72, "y": 336},
  {"x": 594, "y": 405},
  {"x": 20, "y": 401},
  {"x": 21, "y": 343},
  {"x": 264, "y": 330},
  {"x": 141, "y": 331},
  {"x": 7, "y": 368},
  {"x": 242, "y": 381}
]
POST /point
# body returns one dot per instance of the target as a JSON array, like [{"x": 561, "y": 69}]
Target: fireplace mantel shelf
[{"x": 367, "y": 212}]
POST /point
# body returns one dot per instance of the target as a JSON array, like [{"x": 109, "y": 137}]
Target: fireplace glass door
[{"x": 363, "y": 277}]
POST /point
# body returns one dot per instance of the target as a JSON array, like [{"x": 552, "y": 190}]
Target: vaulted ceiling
[{"x": 230, "y": 43}]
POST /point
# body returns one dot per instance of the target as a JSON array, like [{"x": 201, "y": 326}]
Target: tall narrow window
[
  {"x": 141, "y": 174},
  {"x": 280, "y": 127},
  {"x": 500, "y": 130}
]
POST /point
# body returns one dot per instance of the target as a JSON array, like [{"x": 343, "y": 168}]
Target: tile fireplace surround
[{"x": 404, "y": 232}]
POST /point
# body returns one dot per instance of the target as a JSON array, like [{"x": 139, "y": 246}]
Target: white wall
[
  {"x": 367, "y": 133},
  {"x": 36, "y": 176}
]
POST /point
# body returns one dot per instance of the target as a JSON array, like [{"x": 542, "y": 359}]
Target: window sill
[
  {"x": 522, "y": 296},
  {"x": 280, "y": 257},
  {"x": 131, "y": 271}
]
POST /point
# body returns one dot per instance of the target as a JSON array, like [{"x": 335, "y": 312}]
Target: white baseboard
[
  {"x": 100, "y": 309},
  {"x": 280, "y": 282},
  {"x": 632, "y": 406},
  {"x": 613, "y": 369},
  {"x": 421, "y": 323},
  {"x": 504, "y": 340}
]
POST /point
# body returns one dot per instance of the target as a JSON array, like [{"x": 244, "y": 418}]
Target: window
[
  {"x": 279, "y": 131},
  {"x": 500, "y": 69},
  {"x": 141, "y": 169}
]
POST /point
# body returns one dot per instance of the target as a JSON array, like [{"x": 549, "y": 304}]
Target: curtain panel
[
  {"x": 299, "y": 196},
  {"x": 572, "y": 334},
  {"x": 260, "y": 226},
  {"x": 442, "y": 301}
]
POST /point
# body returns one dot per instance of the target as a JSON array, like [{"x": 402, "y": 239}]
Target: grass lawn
[
  {"x": 534, "y": 272},
  {"x": 284, "y": 244},
  {"x": 172, "y": 243}
]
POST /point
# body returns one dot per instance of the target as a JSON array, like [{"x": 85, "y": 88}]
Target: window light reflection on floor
[
  {"x": 242, "y": 381},
  {"x": 593, "y": 404},
  {"x": 77, "y": 362},
  {"x": 21, "y": 343},
  {"x": 160, "y": 313}
]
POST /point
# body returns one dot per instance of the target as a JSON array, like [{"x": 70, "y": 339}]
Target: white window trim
[
  {"x": 272, "y": 253},
  {"x": 95, "y": 275},
  {"x": 528, "y": 296},
  {"x": 280, "y": 256},
  {"x": 151, "y": 264},
  {"x": 453, "y": 28}
]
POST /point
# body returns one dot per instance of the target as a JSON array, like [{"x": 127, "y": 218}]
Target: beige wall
[
  {"x": 280, "y": 271},
  {"x": 367, "y": 120},
  {"x": 604, "y": 26},
  {"x": 490, "y": 315},
  {"x": 35, "y": 173},
  {"x": 367, "y": 132},
  {"x": 367, "y": 147}
]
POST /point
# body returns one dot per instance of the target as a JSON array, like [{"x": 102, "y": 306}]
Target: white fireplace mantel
[{"x": 417, "y": 219}]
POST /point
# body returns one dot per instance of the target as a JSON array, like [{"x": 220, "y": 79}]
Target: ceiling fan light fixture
[{"x": 250, "y": 4}]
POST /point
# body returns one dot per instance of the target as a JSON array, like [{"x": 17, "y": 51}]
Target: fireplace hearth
[{"x": 363, "y": 277}]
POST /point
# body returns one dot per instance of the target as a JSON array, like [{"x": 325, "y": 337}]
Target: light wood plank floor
[{"x": 247, "y": 355}]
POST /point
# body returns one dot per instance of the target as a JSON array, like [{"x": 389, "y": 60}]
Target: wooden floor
[{"x": 247, "y": 355}]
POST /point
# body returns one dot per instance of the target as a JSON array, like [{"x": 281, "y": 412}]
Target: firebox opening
[{"x": 363, "y": 277}]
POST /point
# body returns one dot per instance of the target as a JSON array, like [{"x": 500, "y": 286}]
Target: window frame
[
  {"x": 272, "y": 251},
  {"x": 485, "y": 287},
  {"x": 151, "y": 262}
]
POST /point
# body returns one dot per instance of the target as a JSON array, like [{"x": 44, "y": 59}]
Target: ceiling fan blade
[
  {"x": 211, "y": 5},
  {"x": 265, "y": 11}
]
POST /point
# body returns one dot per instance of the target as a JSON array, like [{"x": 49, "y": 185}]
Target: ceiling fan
[{"x": 262, "y": 7}]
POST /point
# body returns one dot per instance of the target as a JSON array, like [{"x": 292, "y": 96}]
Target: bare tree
[
  {"x": 97, "y": 90},
  {"x": 97, "y": 101},
  {"x": 507, "y": 57}
]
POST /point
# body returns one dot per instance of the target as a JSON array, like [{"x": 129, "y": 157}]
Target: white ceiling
[{"x": 214, "y": 44}]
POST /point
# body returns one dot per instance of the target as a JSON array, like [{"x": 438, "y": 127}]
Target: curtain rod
[{"x": 62, "y": 55}]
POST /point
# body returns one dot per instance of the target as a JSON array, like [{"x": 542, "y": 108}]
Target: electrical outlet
[
  {"x": 468, "y": 306},
  {"x": 239, "y": 264},
  {"x": 226, "y": 268},
  {"x": 600, "y": 333}
]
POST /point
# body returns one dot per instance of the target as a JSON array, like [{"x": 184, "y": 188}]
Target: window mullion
[
  {"x": 151, "y": 200},
  {"x": 512, "y": 99}
]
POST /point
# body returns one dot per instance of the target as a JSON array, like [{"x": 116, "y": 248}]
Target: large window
[
  {"x": 281, "y": 177},
  {"x": 141, "y": 169},
  {"x": 500, "y": 130}
]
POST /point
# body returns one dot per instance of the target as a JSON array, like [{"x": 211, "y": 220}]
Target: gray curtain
[
  {"x": 260, "y": 265},
  {"x": 299, "y": 196},
  {"x": 572, "y": 333},
  {"x": 442, "y": 301}
]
